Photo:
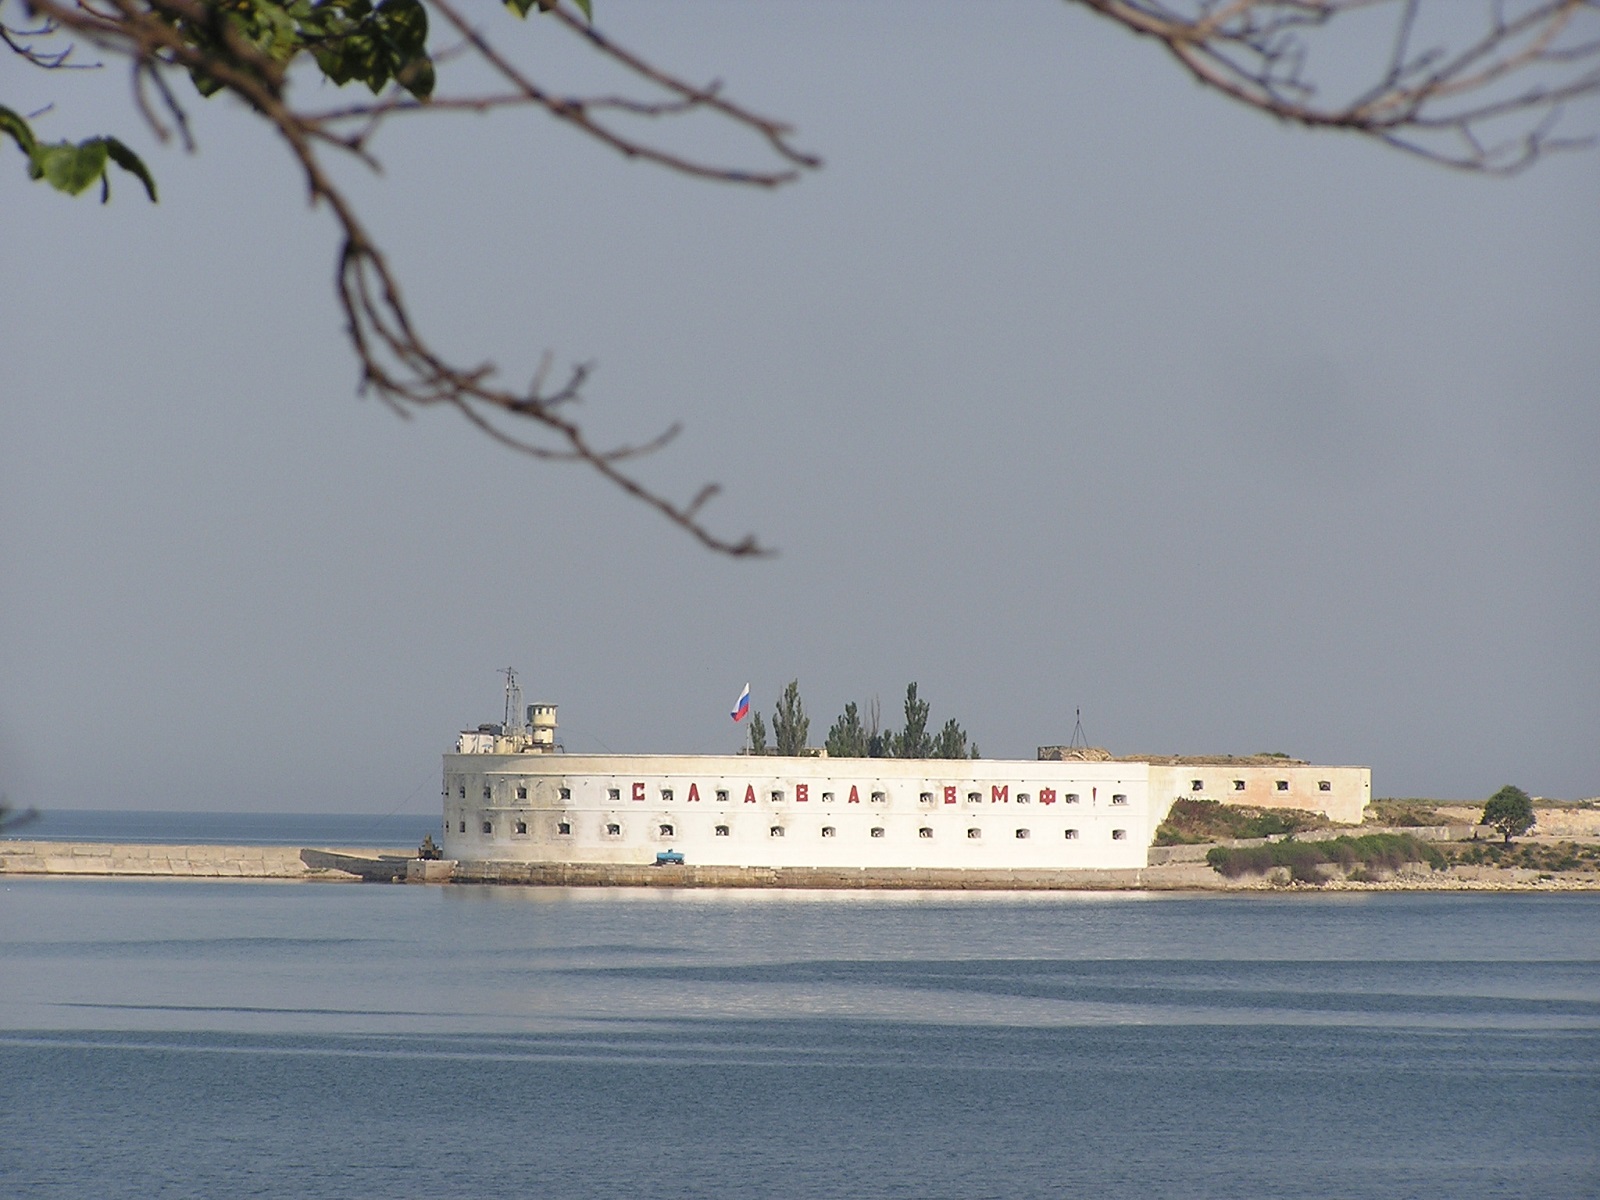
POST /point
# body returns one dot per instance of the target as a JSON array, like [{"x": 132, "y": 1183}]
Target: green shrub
[
  {"x": 1305, "y": 860},
  {"x": 1190, "y": 821}
]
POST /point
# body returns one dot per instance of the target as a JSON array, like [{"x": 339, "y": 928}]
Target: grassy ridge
[
  {"x": 1534, "y": 856},
  {"x": 1397, "y": 811},
  {"x": 1359, "y": 856},
  {"x": 1193, "y": 821}
]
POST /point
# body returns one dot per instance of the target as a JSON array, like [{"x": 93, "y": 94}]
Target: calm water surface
[{"x": 178, "y": 1039}]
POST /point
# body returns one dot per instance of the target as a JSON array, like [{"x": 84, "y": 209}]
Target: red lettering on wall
[
  {"x": 1000, "y": 793},
  {"x": 855, "y": 796},
  {"x": 638, "y": 789},
  {"x": 694, "y": 792},
  {"x": 802, "y": 792},
  {"x": 950, "y": 793},
  {"x": 1047, "y": 795},
  {"x": 750, "y": 793}
]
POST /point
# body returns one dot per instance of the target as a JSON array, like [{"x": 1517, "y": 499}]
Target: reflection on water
[
  {"x": 183, "y": 1038},
  {"x": 295, "y": 958}
]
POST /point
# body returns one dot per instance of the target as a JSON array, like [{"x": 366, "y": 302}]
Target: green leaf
[
  {"x": 520, "y": 7},
  {"x": 417, "y": 77},
  {"x": 587, "y": 9},
  {"x": 133, "y": 164},
  {"x": 207, "y": 85},
  {"x": 69, "y": 168},
  {"x": 405, "y": 25},
  {"x": 13, "y": 124}
]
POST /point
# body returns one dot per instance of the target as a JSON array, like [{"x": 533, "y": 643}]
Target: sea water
[{"x": 192, "y": 1039}]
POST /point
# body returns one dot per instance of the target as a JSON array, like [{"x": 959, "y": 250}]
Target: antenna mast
[
  {"x": 1079, "y": 740},
  {"x": 513, "y": 718}
]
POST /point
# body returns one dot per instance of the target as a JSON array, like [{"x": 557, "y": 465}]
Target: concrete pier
[{"x": 123, "y": 859}]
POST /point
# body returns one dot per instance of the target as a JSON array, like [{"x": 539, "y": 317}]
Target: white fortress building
[{"x": 510, "y": 795}]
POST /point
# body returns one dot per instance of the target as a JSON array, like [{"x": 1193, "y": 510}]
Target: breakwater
[
  {"x": 310, "y": 864},
  {"x": 1177, "y": 868},
  {"x": 136, "y": 859}
]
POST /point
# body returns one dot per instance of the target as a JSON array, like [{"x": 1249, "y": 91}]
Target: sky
[{"x": 1063, "y": 386}]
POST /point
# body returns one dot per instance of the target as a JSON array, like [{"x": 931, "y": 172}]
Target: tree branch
[
  {"x": 1489, "y": 90},
  {"x": 398, "y": 363}
]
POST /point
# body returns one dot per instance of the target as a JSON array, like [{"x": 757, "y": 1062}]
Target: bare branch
[
  {"x": 1480, "y": 85},
  {"x": 398, "y": 363}
]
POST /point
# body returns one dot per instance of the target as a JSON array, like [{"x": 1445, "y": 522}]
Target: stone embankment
[
  {"x": 1171, "y": 868},
  {"x": 689, "y": 876},
  {"x": 184, "y": 862}
]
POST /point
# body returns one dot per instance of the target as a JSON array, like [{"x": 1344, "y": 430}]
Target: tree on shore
[
  {"x": 912, "y": 741},
  {"x": 850, "y": 738},
  {"x": 1480, "y": 86},
  {"x": 952, "y": 742},
  {"x": 758, "y": 734},
  {"x": 790, "y": 725},
  {"x": 1510, "y": 810},
  {"x": 847, "y": 738}
]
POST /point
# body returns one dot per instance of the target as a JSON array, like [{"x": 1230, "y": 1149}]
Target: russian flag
[{"x": 743, "y": 707}]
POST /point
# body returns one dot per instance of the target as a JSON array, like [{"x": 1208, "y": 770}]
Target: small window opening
[
  {"x": 1282, "y": 785},
  {"x": 1238, "y": 785},
  {"x": 827, "y": 831},
  {"x": 522, "y": 827},
  {"x": 1022, "y": 797},
  {"x": 613, "y": 830},
  {"x": 775, "y": 831},
  {"x": 777, "y": 796},
  {"x": 722, "y": 795},
  {"x": 487, "y": 792},
  {"x": 488, "y": 826},
  {"x": 462, "y": 828},
  {"x": 926, "y": 797},
  {"x": 722, "y": 831},
  {"x": 1197, "y": 785},
  {"x": 1119, "y": 798},
  {"x": 566, "y": 793},
  {"x": 1324, "y": 785},
  {"x": 877, "y": 831},
  {"x": 925, "y": 832},
  {"x": 564, "y": 828},
  {"x": 614, "y": 795},
  {"x": 461, "y": 790},
  {"x": 666, "y": 831},
  {"x": 827, "y": 797},
  {"x": 1118, "y": 835},
  {"x": 1070, "y": 798},
  {"x": 1022, "y": 834},
  {"x": 878, "y": 797},
  {"x": 974, "y": 833},
  {"x": 666, "y": 795},
  {"x": 1071, "y": 833},
  {"x": 522, "y": 791},
  {"x": 974, "y": 797}
]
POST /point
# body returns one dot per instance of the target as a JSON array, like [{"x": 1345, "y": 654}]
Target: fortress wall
[
  {"x": 1345, "y": 798},
  {"x": 794, "y": 813}
]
